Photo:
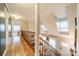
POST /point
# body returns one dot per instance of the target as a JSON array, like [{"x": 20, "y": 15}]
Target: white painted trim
[
  {"x": 37, "y": 24},
  {"x": 4, "y": 54}
]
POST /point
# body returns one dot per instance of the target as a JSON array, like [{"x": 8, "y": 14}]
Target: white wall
[
  {"x": 27, "y": 25},
  {"x": 71, "y": 13},
  {"x": 31, "y": 26},
  {"x": 24, "y": 25},
  {"x": 50, "y": 22},
  {"x": 68, "y": 40}
]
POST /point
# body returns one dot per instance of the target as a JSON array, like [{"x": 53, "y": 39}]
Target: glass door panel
[{"x": 2, "y": 30}]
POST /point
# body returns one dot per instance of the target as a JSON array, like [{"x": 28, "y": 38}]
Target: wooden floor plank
[{"x": 22, "y": 49}]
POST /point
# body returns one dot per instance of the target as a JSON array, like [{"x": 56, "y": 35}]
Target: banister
[
  {"x": 56, "y": 51},
  {"x": 48, "y": 35}
]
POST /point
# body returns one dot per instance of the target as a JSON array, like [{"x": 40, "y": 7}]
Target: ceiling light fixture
[{"x": 15, "y": 16}]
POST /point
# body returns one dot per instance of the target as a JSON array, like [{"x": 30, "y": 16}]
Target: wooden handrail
[
  {"x": 56, "y": 51},
  {"x": 31, "y": 32},
  {"x": 32, "y": 40}
]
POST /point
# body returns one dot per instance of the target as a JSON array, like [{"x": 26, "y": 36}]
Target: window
[
  {"x": 16, "y": 28},
  {"x": 2, "y": 27},
  {"x": 16, "y": 35},
  {"x": 62, "y": 25}
]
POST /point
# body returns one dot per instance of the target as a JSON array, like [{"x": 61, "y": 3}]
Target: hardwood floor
[
  {"x": 21, "y": 49},
  {"x": 27, "y": 48}
]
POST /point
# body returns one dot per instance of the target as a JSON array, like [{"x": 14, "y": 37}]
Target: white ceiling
[
  {"x": 58, "y": 9},
  {"x": 27, "y": 10}
]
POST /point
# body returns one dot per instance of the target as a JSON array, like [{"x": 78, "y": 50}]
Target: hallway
[{"x": 41, "y": 29}]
